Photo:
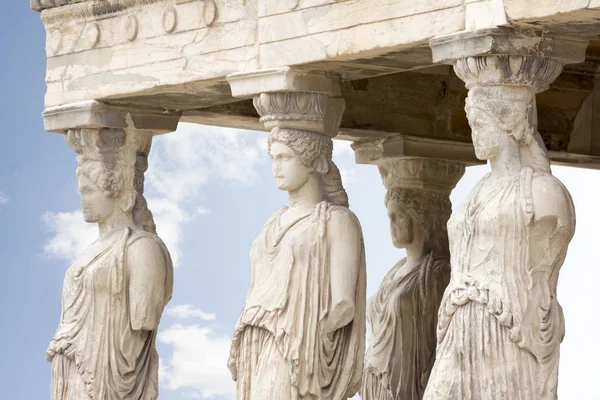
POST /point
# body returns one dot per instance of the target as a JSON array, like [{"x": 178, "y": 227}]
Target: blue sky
[{"x": 211, "y": 191}]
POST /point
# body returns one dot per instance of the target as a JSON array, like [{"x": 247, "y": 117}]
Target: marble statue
[
  {"x": 500, "y": 324},
  {"x": 114, "y": 294},
  {"x": 301, "y": 332},
  {"x": 403, "y": 312}
]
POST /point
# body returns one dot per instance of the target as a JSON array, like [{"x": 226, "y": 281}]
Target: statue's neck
[
  {"x": 307, "y": 196},
  {"x": 415, "y": 252},
  {"x": 507, "y": 163},
  {"x": 116, "y": 222}
]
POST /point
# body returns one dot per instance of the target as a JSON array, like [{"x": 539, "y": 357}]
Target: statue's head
[
  {"x": 503, "y": 117},
  {"x": 418, "y": 200},
  {"x": 418, "y": 213},
  {"x": 110, "y": 174},
  {"x": 299, "y": 156},
  {"x": 102, "y": 190}
]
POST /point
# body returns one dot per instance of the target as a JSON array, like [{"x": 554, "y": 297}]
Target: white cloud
[
  {"x": 341, "y": 147},
  {"x": 4, "y": 198},
  {"x": 181, "y": 164},
  {"x": 183, "y": 161},
  {"x": 343, "y": 156},
  {"x": 348, "y": 176},
  {"x": 202, "y": 210},
  {"x": 71, "y": 234},
  {"x": 169, "y": 216},
  {"x": 198, "y": 362},
  {"x": 189, "y": 311}
]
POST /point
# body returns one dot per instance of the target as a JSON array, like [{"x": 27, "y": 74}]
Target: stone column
[
  {"x": 115, "y": 293},
  {"x": 500, "y": 324},
  {"x": 403, "y": 312},
  {"x": 301, "y": 332}
]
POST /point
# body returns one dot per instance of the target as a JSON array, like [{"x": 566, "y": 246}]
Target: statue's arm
[
  {"x": 553, "y": 220},
  {"x": 345, "y": 251},
  {"x": 147, "y": 274}
]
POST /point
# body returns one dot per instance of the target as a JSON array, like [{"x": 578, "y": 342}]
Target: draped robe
[
  {"x": 403, "y": 316},
  {"x": 95, "y": 353},
  {"x": 279, "y": 350},
  {"x": 499, "y": 327}
]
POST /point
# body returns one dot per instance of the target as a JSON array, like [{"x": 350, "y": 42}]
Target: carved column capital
[
  {"x": 315, "y": 112},
  {"x": 430, "y": 174},
  {"x": 508, "y": 56},
  {"x": 293, "y": 99}
]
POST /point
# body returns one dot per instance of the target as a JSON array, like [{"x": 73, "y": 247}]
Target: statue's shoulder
[
  {"x": 276, "y": 215},
  {"x": 142, "y": 244},
  {"x": 342, "y": 214},
  {"x": 341, "y": 222},
  {"x": 550, "y": 198}
]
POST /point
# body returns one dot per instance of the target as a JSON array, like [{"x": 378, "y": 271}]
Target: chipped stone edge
[
  {"x": 377, "y": 151},
  {"x": 285, "y": 79},
  {"x": 96, "y": 114},
  {"x": 508, "y": 41}
]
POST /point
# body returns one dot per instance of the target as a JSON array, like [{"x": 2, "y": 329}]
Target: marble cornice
[{"x": 56, "y": 10}]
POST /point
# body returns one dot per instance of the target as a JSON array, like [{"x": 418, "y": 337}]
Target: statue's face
[
  {"x": 290, "y": 174},
  {"x": 401, "y": 225},
  {"x": 488, "y": 139},
  {"x": 95, "y": 204}
]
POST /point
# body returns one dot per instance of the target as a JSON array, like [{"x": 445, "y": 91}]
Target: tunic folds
[
  {"x": 280, "y": 326},
  {"x": 95, "y": 353}
]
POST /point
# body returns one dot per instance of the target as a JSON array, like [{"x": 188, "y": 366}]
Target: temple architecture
[{"x": 422, "y": 89}]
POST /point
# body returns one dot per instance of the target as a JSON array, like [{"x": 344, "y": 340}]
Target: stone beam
[
  {"x": 97, "y": 115},
  {"x": 403, "y": 146},
  {"x": 177, "y": 53}
]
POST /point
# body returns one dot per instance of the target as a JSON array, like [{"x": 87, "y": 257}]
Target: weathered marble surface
[
  {"x": 179, "y": 52},
  {"x": 403, "y": 312},
  {"x": 114, "y": 294},
  {"x": 500, "y": 324}
]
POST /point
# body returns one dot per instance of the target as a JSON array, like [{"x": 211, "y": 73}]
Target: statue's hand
[{"x": 340, "y": 315}]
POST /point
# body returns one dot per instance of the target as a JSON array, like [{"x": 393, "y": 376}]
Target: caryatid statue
[
  {"x": 500, "y": 324},
  {"x": 115, "y": 293},
  {"x": 301, "y": 332},
  {"x": 403, "y": 312}
]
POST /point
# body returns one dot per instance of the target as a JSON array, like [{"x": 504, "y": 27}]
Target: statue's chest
[
  {"x": 485, "y": 222},
  {"x": 94, "y": 274}
]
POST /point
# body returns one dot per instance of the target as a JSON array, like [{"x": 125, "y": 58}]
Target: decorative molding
[
  {"x": 131, "y": 27},
  {"x": 89, "y": 8},
  {"x": 120, "y": 22},
  {"x": 92, "y": 34},
  {"x": 209, "y": 12},
  {"x": 169, "y": 19}
]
